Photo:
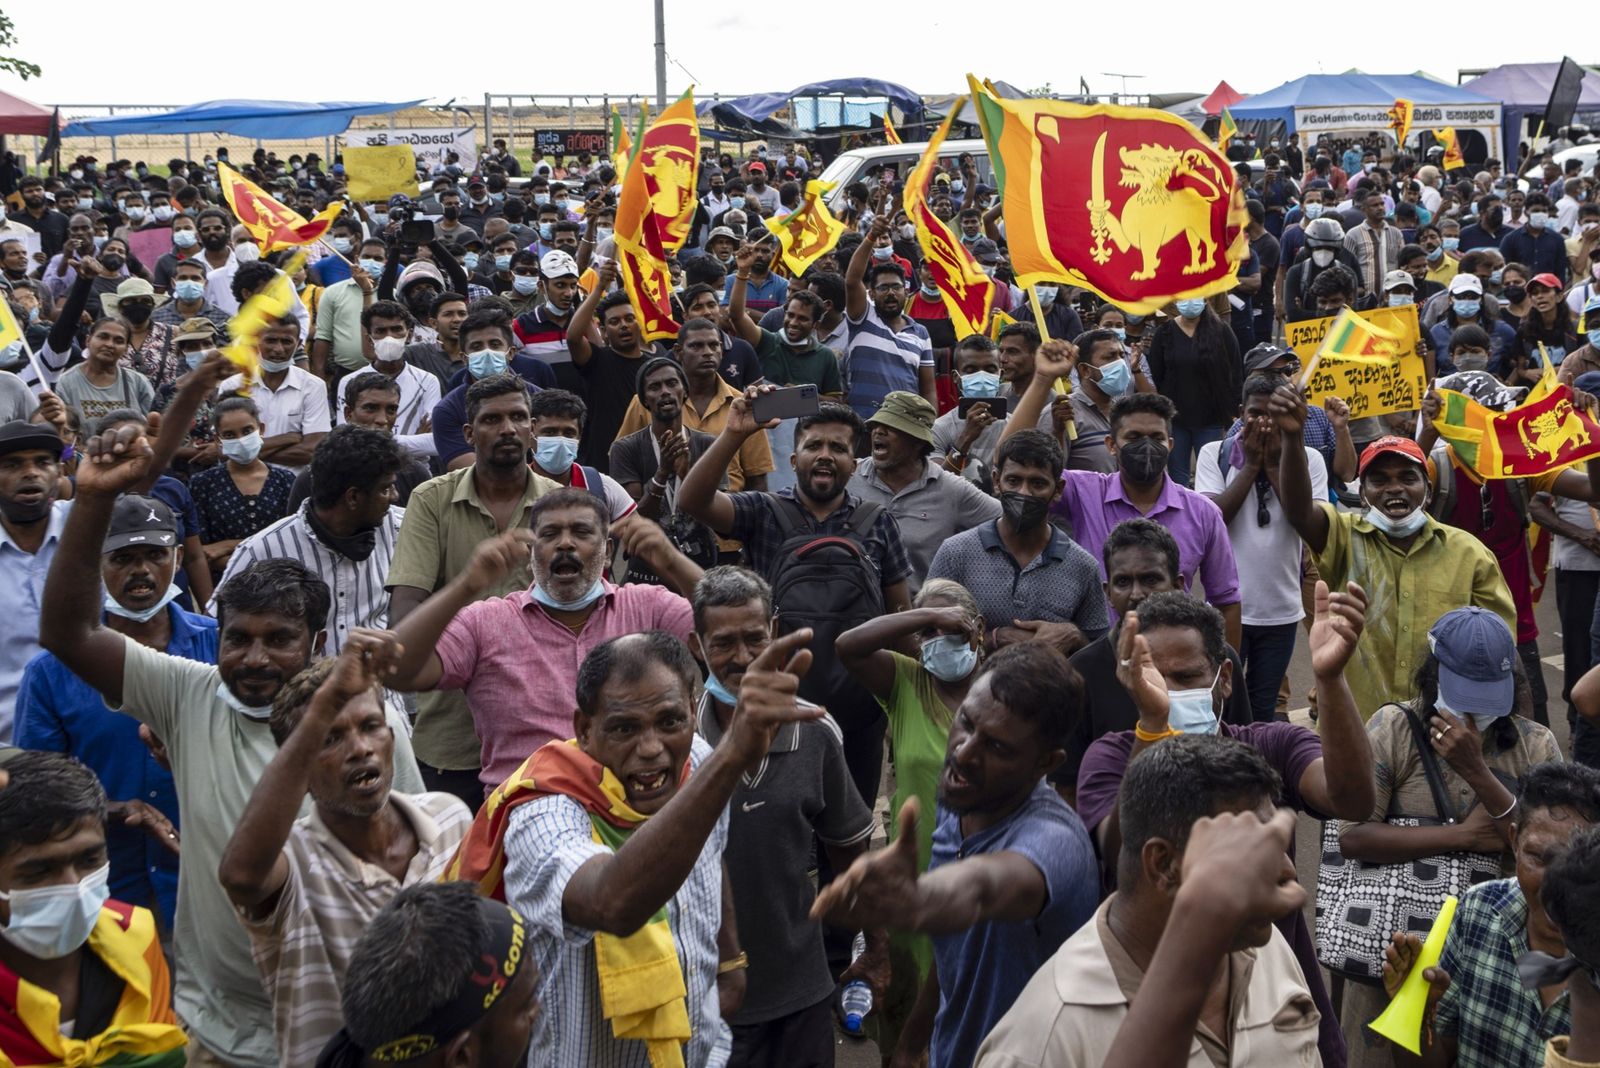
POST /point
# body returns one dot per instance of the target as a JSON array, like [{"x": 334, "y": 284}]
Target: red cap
[
  {"x": 1395, "y": 444},
  {"x": 1548, "y": 280},
  {"x": 762, "y": 167}
]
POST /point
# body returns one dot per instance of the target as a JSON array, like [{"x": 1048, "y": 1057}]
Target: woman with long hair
[{"x": 1194, "y": 359}]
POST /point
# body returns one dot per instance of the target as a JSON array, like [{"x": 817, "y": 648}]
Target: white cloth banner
[{"x": 429, "y": 142}]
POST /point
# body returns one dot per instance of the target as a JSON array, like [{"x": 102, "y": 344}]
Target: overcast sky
[{"x": 151, "y": 54}]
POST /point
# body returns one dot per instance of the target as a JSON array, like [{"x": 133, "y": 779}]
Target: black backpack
[{"x": 827, "y": 582}]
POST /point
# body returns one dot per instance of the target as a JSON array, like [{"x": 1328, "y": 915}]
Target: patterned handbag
[{"x": 1360, "y": 904}]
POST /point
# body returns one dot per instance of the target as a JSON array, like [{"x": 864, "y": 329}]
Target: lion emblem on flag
[
  {"x": 1554, "y": 432},
  {"x": 1156, "y": 213}
]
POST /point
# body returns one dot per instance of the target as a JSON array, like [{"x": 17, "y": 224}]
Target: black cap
[
  {"x": 20, "y": 434},
  {"x": 1265, "y": 355},
  {"x": 140, "y": 520}
]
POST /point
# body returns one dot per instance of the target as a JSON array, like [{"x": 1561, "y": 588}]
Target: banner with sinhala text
[{"x": 1368, "y": 389}]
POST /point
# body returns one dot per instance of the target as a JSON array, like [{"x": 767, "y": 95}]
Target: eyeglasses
[{"x": 1263, "y": 517}]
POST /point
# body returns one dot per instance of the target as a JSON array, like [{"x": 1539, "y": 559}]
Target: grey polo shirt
[
  {"x": 1061, "y": 585},
  {"x": 1088, "y": 452},
  {"x": 980, "y": 458},
  {"x": 930, "y": 509},
  {"x": 800, "y": 790}
]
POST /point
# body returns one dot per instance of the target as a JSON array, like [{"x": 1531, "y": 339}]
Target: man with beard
[
  {"x": 1094, "y": 502},
  {"x": 1413, "y": 568},
  {"x": 1012, "y": 873},
  {"x": 31, "y": 521},
  {"x": 516, "y": 656},
  {"x": 38, "y": 216},
  {"x": 345, "y": 531},
  {"x": 58, "y": 712},
  {"x": 213, "y": 720},
  {"x": 306, "y": 888},
  {"x": 418, "y": 975},
  {"x": 608, "y": 369},
  {"x": 887, "y": 350}
]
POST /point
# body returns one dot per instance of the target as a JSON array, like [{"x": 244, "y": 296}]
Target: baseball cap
[
  {"x": 558, "y": 264},
  {"x": 909, "y": 413},
  {"x": 19, "y": 434},
  {"x": 1391, "y": 444},
  {"x": 985, "y": 251},
  {"x": 1476, "y": 652},
  {"x": 1395, "y": 279},
  {"x": 1545, "y": 279},
  {"x": 1466, "y": 283},
  {"x": 758, "y": 166},
  {"x": 137, "y": 520},
  {"x": 721, "y": 231},
  {"x": 1266, "y": 354}
]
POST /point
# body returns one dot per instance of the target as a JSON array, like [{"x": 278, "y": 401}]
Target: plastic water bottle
[{"x": 856, "y": 997}]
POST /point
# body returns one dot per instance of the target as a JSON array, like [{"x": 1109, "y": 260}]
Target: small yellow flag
[
  {"x": 378, "y": 172},
  {"x": 266, "y": 308},
  {"x": 9, "y": 330}
]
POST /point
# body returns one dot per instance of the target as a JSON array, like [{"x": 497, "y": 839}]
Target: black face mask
[
  {"x": 1022, "y": 511},
  {"x": 111, "y": 263},
  {"x": 137, "y": 314},
  {"x": 1144, "y": 461},
  {"x": 452, "y": 213},
  {"x": 357, "y": 546},
  {"x": 1514, "y": 294}
]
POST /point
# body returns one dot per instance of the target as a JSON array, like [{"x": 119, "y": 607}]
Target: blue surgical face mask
[
  {"x": 585, "y": 599},
  {"x": 1436, "y": 254},
  {"x": 503, "y": 262},
  {"x": 276, "y": 366},
  {"x": 469, "y": 260},
  {"x": 1133, "y": 319},
  {"x": 1046, "y": 294},
  {"x": 188, "y": 290},
  {"x": 541, "y": 198},
  {"x": 555, "y": 454},
  {"x": 1403, "y": 527},
  {"x": 1399, "y": 300},
  {"x": 1494, "y": 276},
  {"x": 12, "y": 352},
  {"x": 949, "y": 657},
  {"x": 116, "y": 608},
  {"x": 242, "y": 450},
  {"x": 525, "y": 284},
  {"x": 1538, "y": 219},
  {"x": 602, "y": 233},
  {"x": 1191, "y": 309},
  {"x": 1115, "y": 378},
  {"x": 372, "y": 267},
  {"x": 547, "y": 231},
  {"x": 486, "y": 362},
  {"x": 341, "y": 245},
  {"x": 716, "y": 689},
  {"x": 194, "y": 359},
  {"x": 184, "y": 238},
  {"x": 1122, "y": 334},
  {"x": 930, "y": 292},
  {"x": 49, "y": 922},
  {"x": 1193, "y": 711},
  {"x": 980, "y": 384},
  {"x": 1312, "y": 211},
  {"x": 1452, "y": 243},
  {"x": 1466, "y": 309}
]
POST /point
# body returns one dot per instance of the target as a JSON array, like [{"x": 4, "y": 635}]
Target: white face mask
[
  {"x": 1194, "y": 711},
  {"x": 242, "y": 450},
  {"x": 1322, "y": 256},
  {"x": 115, "y": 607},
  {"x": 246, "y": 253},
  {"x": 227, "y": 697},
  {"x": 1403, "y": 527},
  {"x": 49, "y": 922},
  {"x": 389, "y": 349}
]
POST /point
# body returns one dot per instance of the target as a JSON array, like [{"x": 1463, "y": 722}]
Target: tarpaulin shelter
[
  {"x": 1223, "y": 96},
  {"x": 754, "y": 112},
  {"x": 265, "y": 120},
  {"x": 1353, "y": 102},
  {"x": 19, "y": 116},
  {"x": 1523, "y": 90}
]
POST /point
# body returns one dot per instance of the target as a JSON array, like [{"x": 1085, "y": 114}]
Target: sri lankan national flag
[
  {"x": 891, "y": 136},
  {"x": 1163, "y": 219},
  {"x": 1544, "y": 434},
  {"x": 654, "y": 211},
  {"x": 1227, "y": 129},
  {"x": 273, "y": 225},
  {"x": 1452, "y": 150},
  {"x": 968, "y": 293},
  {"x": 1400, "y": 120},
  {"x": 272, "y": 304},
  {"x": 808, "y": 232}
]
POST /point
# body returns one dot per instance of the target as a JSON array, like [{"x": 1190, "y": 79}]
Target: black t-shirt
[
  {"x": 634, "y": 459},
  {"x": 51, "y": 228},
  {"x": 609, "y": 380},
  {"x": 739, "y": 367},
  {"x": 1108, "y": 708}
]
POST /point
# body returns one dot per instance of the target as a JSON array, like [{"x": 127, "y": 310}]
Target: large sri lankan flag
[
  {"x": 1132, "y": 203},
  {"x": 1542, "y": 435},
  {"x": 968, "y": 293},
  {"x": 654, "y": 210}
]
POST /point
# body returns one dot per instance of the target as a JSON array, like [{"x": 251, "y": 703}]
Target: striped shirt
[
  {"x": 303, "y": 947},
  {"x": 356, "y": 586},
  {"x": 879, "y": 361},
  {"x": 547, "y": 841}
]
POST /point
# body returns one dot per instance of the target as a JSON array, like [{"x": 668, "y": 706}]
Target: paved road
[{"x": 862, "y": 1054}]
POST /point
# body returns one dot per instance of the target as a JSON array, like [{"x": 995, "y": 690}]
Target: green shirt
[
  {"x": 445, "y": 522},
  {"x": 789, "y": 366},
  {"x": 1407, "y": 591},
  {"x": 217, "y": 757},
  {"x": 339, "y": 323}
]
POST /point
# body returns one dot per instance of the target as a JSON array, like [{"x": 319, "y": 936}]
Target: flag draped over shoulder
[
  {"x": 968, "y": 293},
  {"x": 1162, "y": 219},
  {"x": 273, "y": 225},
  {"x": 654, "y": 212},
  {"x": 1400, "y": 120},
  {"x": 1545, "y": 433},
  {"x": 808, "y": 232}
]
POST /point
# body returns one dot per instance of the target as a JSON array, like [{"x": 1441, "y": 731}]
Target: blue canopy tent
[
  {"x": 755, "y": 112},
  {"x": 1357, "y": 103},
  {"x": 265, "y": 120},
  {"x": 1524, "y": 89}
]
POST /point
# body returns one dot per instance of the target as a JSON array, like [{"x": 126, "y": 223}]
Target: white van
[{"x": 866, "y": 164}]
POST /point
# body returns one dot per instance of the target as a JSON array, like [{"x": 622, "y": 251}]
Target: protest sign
[
  {"x": 378, "y": 172},
  {"x": 1369, "y": 389},
  {"x": 429, "y": 143},
  {"x": 150, "y": 245},
  {"x": 570, "y": 142}
]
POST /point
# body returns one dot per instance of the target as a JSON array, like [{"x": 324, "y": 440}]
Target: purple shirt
[
  {"x": 519, "y": 667},
  {"x": 1094, "y": 502}
]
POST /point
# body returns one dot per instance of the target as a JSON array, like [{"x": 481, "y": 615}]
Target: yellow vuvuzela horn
[{"x": 1401, "y": 1022}]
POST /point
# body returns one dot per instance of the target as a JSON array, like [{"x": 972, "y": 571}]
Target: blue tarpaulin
[
  {"x": 268, "y": 120},
  {"x": 1353, "y": 88},
  {"x": 760, "y": 106}
]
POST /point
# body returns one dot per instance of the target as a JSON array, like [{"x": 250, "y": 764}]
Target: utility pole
[{"x": 661, "y": 55}]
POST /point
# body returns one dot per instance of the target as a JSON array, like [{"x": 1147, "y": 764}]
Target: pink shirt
[{"x": 519, "y": 667}]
